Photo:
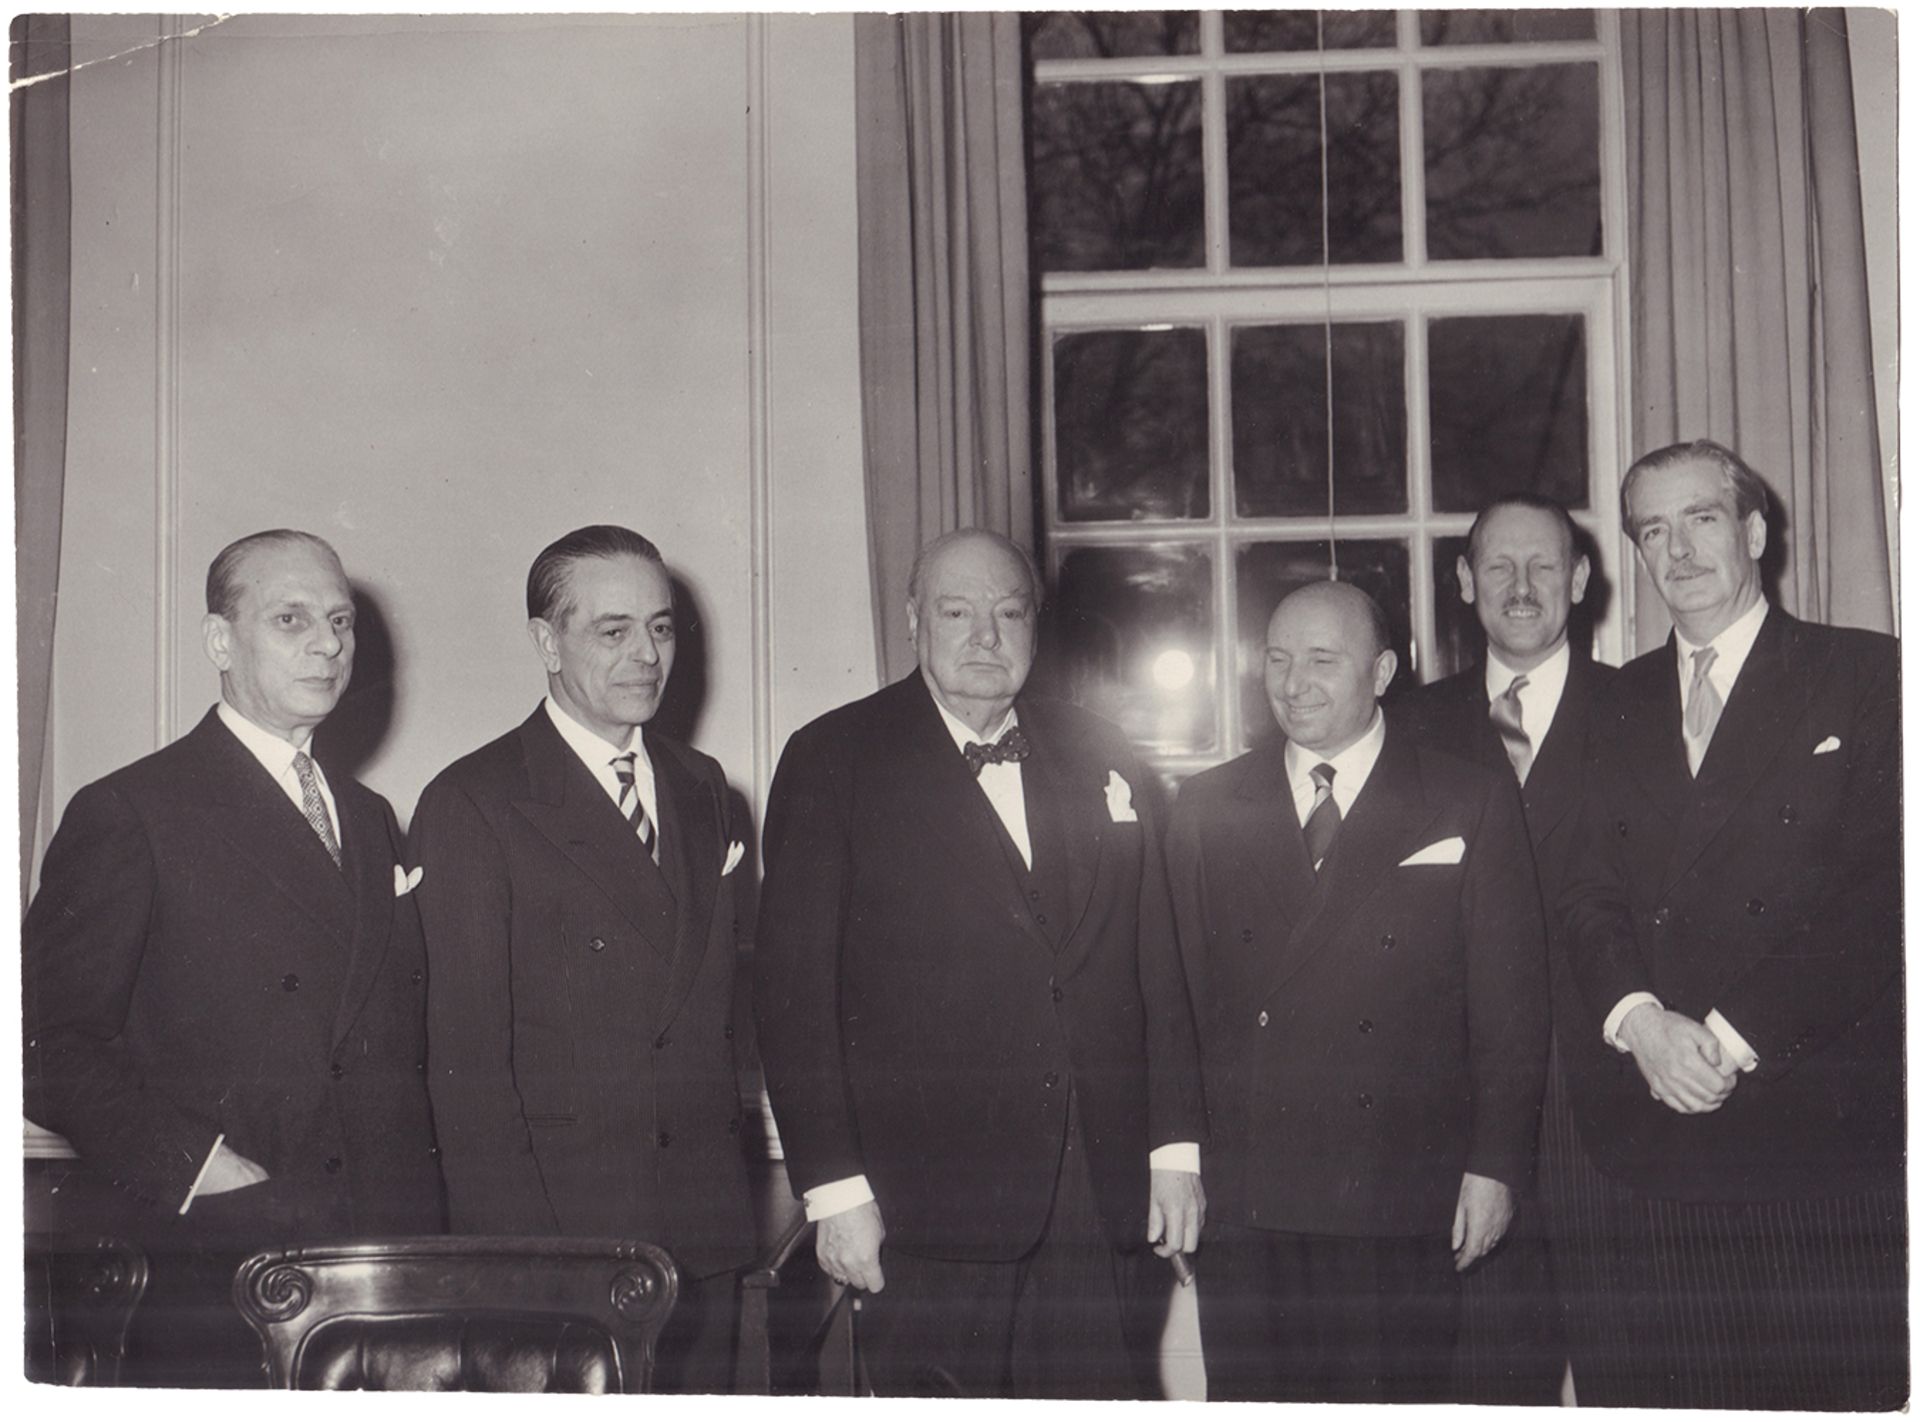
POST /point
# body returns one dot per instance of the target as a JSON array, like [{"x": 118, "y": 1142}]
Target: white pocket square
[
  {"x": 1831, "y": 743},
  {"x": 736, "y": 851},
  {"x": 1441, "y": 851},
  {"x": 1120, "y": 800},
  {"x": 403, "y": 881}
]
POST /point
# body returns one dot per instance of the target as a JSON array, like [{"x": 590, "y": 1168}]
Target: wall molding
[{"x": 166, "y": 393}]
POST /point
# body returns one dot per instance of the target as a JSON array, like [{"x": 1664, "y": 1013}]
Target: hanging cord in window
[{"x": 1326, "y": 285}]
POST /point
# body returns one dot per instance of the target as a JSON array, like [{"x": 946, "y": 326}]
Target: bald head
[{"x": 1328, "y": 661}]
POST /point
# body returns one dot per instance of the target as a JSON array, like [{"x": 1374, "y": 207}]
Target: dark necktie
[
  {"x": 1010, "y": 747},
  {"x": 1504, "y": 712},
  {"x": 631, "y": 807},
  {"x": 312, "y": 806},
  {"x": 1323, "y": 822},
  {"x": 1703, "y": 709}
]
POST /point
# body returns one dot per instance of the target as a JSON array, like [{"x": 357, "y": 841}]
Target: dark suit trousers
[
  {"x": 1068, "y": 1320},
  {"x": 1311, "y": 1318},
  {"x": 1780, "y": 1304}
]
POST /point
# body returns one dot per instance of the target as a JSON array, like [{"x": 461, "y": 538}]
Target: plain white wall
[{"x": 440, "y": 289}]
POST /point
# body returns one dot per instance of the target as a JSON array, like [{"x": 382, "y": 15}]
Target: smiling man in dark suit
[
  {"x": 1733, "y": 921},
  {"x": 223, "y": 1006},
  {"x": 971, "y": 1011},
  {"x": 579, "y": 916},
  {"x": 1523, "y": 710},
  {"x": 1364, "y": 939}
]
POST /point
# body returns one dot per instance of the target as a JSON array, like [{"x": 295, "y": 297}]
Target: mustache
[{"x": 1514, "y": 603}]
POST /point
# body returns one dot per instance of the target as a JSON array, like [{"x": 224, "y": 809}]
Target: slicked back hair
[
  {"x": 549, "y": 590},
  {"x": 223, "y": 573},
  {"x": 1525, "y": 499},
  {"x": 925, "y": 558},
  {"x": 1749, "y": 489}
]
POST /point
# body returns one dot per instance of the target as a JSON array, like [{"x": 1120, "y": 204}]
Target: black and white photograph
[{"x": 1006, "y": 705}]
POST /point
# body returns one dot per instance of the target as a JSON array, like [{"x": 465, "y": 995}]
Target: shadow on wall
[{"x": 359, "y": 725}]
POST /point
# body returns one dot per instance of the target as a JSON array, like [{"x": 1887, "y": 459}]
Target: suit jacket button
[
  {"x": 596, "y": 945},
  {"x": 1661, "y": 916},
  {"x": 1386, "y": 940},
  {"x": 1788, "y": 814},
  {"x": 733, "y": 1126},
  {"x": 1053, "y": 1079},
  {"x": 1246, "y": 935},
  {"x": 1365, "y": 1025},
  {"x": 1366, "y": 1101},
  {"x": 333, "y": 1165},
  {"x": 660, "y": 1042},
  {"x": 1040, "y": 919},
  {"x": 729, "y": 1031},
  {"x": 1621, "y": 829},
  {"x": 291, "y": 982},
  {"x": 421, "y": 1067},
  {"x": 663, "y": 1140},
  {"x": 1263, "y": 1019},
  {"x": 1756, "y": 907},
  {"x": 1034, "y": 894},
  {"x": 336, "y": 1071},
  {"x": 1058, "y": 995},
  {"x": 417, "y": 977}
]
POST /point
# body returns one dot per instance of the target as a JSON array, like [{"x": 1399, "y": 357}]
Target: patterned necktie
[
  {"x": 1323, "y": 823},
  {"x": 312, "y": 806},
  {"x": 1012, "y": 746},
  {"x": 631, "y": 807},
  {"x": 1505, "y": 713},
  {"x": 1703, "y": 709}
]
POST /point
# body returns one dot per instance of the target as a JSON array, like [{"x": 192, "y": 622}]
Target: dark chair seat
[{"x": 460, "y": 1314}]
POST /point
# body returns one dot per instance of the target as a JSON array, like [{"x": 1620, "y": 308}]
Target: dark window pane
[
  {"x": 1513, "y": 161},
  {"x": 1130, "y": 424},
  {"x": 1280, "y": 419},
  {"x": 1273, "y": 169},
  {"x": 1267, "y": 572},
  {"x": 1114, "y": 181},
  {"x": 1271, "y": 30},
  {"x": 1504, "y": 26},
  {"x": 1458, "y": 639},
  {"x": 1508, "y": 397},
  {"x": 1133, "y": 636},
  {"x": 1111, "y": 34}
]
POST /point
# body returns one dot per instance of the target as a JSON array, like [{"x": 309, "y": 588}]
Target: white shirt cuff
[
  {"x": 1610, "y": 1029},
  {"x": 836, "y": 1197},
  {"x": 1176, "y": 1155},
  {"x": 194, "y": 1189},
  {"x": 1737, "y": 1046}
]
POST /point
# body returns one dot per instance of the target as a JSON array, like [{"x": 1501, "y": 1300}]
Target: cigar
[{"x": 1182, "y": 1269}]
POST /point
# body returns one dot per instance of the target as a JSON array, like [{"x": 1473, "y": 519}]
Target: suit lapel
[
  {"x": 1387, "y": 820},
  {"x": 1553, "y": 783},
  {"x": 1769, "y": 698},
  {"x": 1657, "y": 750},
  {"x": 368, "y": 867},
  {"x": 1269, "y": 849},
  {"x": 691, "y": 847},
  {"x": 567, "y": 805},
  {"x": 264, "y": 828},
  {"x": 1066, "y": 820}
]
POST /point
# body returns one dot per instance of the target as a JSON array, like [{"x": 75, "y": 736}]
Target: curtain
[
  {"x": 41, "y": 214},
  {"x": 1749, "y": 285},
  {"x": 944, "y": 331}
]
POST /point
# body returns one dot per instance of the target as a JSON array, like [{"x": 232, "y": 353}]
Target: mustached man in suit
[
  {"x": 1733, "y": 922},
  {"x": 579, "y": 915},
  {"x": 224, "y": 1000},
  {"x": 1364, "y": 939},
  {"x": 971, "y": 1011},
  {"x": 1524, "y": 710}
]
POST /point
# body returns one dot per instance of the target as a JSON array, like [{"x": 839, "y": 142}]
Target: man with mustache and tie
[
  {"x": 975, "y": 1029},
  {"x": 222, "y": 990},
  {"x": 1733, "y": 926},
  {"x": 1524, "y": 710},
  {"x": 1363, "y": 938},
  {"x": 578, "y": 903}
]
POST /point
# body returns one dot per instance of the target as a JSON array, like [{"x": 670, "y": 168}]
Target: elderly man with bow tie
[{"x": 971, "y": 1010}]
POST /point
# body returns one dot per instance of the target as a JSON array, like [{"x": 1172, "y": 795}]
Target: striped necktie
[
  {"x": 1703, "y": 709},
  {"x": 1323, "y": 822},
  {"x": 631, "y": 807},
  {"x": 312, "y": 806},
  {"x": 1505, "y": 713}
]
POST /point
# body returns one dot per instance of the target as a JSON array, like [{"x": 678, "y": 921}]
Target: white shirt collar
[
  {"x": 1731, "y": 648},
  {"x": 962, "y": 733},
  {"x": 1351, "y": 767},
  {"x": 268, "y": 747},
  {"x": 594, "y": 749},
  {"x": 1550, "y": 677}
]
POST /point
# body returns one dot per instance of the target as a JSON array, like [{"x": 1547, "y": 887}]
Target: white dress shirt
[
  {"x": 1540, "y": 697},
  {"x": 598, "y": 754},
  {"x": 1732, "y": 648},
  {"x": 1350, "y": 769},
  {"x": 276, "y": 756},
  {"x": 1005, "y": 790}
]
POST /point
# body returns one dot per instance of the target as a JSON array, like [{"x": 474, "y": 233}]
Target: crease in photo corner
[{"x": 153, "y": 43}]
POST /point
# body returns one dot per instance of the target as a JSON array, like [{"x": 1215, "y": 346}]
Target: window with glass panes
[{"x": 1314, "y": 286}]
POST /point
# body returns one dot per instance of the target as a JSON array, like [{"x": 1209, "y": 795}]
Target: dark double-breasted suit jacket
[
  {"x": 1370, "y": 1033},
  {"x": 581, "y": 1040},
  {"x": 195, "y": 966},
  {"x": 925, "y": 1003},
  {"x": 1451, "y": 715},
  {"x": 1767, "y": 888}
]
